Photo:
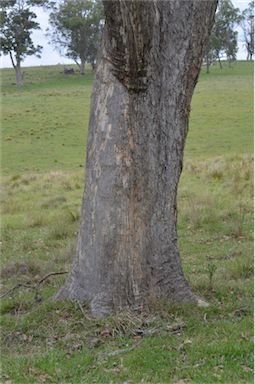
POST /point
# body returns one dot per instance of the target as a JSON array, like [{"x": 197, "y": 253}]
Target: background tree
[
  {"x": 247, "y": 25},
  {"x": 17, "y": 22},
  {"x": 127, "y": 247},
  {"x": 223, "y": 40},
  {"x": 76, "y": 27}
]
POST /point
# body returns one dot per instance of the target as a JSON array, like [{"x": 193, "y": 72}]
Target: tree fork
[{"x": 149, "y": 63}]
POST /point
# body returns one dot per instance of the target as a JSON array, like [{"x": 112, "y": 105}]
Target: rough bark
[{"x": 127, "y": 247}]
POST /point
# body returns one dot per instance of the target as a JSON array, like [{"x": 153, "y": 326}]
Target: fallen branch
[
  {"x": 49, "y": 275},
  {"x": 173, "y": 328},
  {"x": 19, "y": 285},
  {"x": 147, "y": 331},
  {"x": 118, "y": 351},
  {"x": 31, "y": 285}
]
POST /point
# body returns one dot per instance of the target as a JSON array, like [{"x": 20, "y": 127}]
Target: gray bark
[
  {"x": 17, "y": 67},
  {"x": 219, "y": 61},
  {"x": 207, "y": 64},
  {"x": 82, "y": 68},
  {"x": 127, "y": 247},
  {"x": 19, "y": 77}
]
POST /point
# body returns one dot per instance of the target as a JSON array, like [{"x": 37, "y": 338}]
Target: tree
[
  {"x": 223, "y": 40},
  {"x": 247, "y": 25},
  {"x": 76, "y": 29},
  {"x": 17, "y": 22},
  {"x": 149, "y": 63}
]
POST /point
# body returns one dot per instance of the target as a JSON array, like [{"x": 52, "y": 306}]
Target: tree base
[{"x": 101, "y": 304}]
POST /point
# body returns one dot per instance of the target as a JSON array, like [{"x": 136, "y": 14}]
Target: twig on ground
[
  {"x": 118, "y": 351},
  {"x": 31, "y": 285},
  {"x": 51, "y": 274},
  {"x": 148, "y": 331},
  {"x": 19, "y": 285}
]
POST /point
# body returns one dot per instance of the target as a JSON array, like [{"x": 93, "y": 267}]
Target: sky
[{"x": 50, "y": 56}]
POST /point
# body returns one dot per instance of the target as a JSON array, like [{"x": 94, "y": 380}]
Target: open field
[{"x": 44, "y": 129}]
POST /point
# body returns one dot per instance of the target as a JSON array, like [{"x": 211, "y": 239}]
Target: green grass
[
  {"x": 221, "y": 119},
  {"x": 43, "y": 124},
  {"x": 44, "y": 128}
]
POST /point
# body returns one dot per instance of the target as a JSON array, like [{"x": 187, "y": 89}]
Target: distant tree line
[
  {"x": 17, "y": 23},
  {"x": 76, "y": 28},
  {"x": 247, "y": 26},
  {"x": 223, "y": 40}
]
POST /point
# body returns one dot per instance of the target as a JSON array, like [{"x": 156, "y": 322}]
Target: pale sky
[{"x": 50, "y": 56}]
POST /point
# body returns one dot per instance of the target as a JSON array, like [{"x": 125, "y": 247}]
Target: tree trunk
[
  {"x": 17, "y": 67},
  {"x": 127, "y": 247},
  {"x": 93, "y": 66},
  {"x": 82, "y": 68},
  {"x": 207, "y": 64},
  {"x": 19, "y": 77},
  {"x": 219, "y": 60},
  {"x": 249, "y": 51},
  {"x": 249, "y": 54}
]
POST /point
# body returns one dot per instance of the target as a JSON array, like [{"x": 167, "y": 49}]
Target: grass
[
  {"x": 43, "y": 123},
  {"x": 43, "y": 145},
  {"x": 221, "y": 118}
]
